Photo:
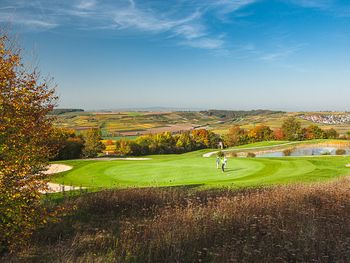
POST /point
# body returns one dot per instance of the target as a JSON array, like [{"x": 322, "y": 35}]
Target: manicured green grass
[{"x": 193, "y": 169}]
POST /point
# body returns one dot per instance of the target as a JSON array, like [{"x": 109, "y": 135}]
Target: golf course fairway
[{"x": 193, "y": 169}]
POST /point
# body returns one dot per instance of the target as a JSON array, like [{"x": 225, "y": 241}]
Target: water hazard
[{"x": 306, "y": 151}]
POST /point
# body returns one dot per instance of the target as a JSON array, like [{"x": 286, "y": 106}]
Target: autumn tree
[
  {"x": 69, "y": 145},
  {"x": 165, "y": 142},
  {"x": 201, "y": 138},
  {"x": 25, "y": 101},
  {"x": 93, "y": 145},
  {"x": 313, "y": 132},
  {"x": 144, "y": 142},
  {"x": 236, "y": 136},
  {"x": 261, "y": 133},
  {"x": 214, "y": 140},
  {"x": 278, "y": 134},
  {"x": 291, "y": 129},
  {"x": 127, "y": 148},
  {"x": 184, "y": 142}
]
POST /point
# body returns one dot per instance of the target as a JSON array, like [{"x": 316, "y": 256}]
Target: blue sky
[{"x": 233, "y": 54}]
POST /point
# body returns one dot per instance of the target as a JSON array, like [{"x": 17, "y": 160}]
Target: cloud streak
[
  {"x": 320, "y": 4},
  {"x": 280, "y": 53},
  {"x": 189, "y": 29}
]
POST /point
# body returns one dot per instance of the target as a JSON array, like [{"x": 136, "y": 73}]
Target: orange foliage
[{"x": 25, "y": 101}]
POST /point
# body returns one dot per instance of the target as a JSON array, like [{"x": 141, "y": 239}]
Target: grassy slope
[
  {"x": 193, "y": 169},
  {"x": 294, "y": 223}
]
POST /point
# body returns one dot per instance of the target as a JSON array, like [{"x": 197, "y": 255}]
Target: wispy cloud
[
  {"x": 182, "y": 20},
  {"x": 321, "y": 4},
  {"x": 87, "y": 4},
  {"x": 229, "y": 6},
  {"x": 29, "y": 22},
  {"x": 207, "y": 43},
  {"x": 280, "y": 53},
  {"x": 148, "y": 21}
]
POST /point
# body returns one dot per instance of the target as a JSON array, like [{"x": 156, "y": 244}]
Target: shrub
[
  {"x": 232, "y": 154},
  {"x": 251, "y": 155},
  {"x": 340, "y": 152},
  {"x": 288, "y": 152}
]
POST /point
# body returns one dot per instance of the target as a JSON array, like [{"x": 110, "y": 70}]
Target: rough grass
[{"x": 296, "y": 223}]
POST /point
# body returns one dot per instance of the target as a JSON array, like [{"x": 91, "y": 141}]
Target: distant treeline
[
  {"x": 62, "y": 111},
  {"x": 231, "y": 114}
]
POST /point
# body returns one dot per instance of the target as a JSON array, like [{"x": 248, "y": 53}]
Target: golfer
[
  {"x": 217, "y": 162},
  {"x": 225, "y": 161},
  {"x": 222, "y": 165}
]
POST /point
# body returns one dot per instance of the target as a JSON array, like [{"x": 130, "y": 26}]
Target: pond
[{"x": 304, "y": 151}]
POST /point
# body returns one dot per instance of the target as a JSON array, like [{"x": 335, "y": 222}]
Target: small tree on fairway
[
  {"x": 93, "y": 144},
  {"x": 25, "y": 101}
]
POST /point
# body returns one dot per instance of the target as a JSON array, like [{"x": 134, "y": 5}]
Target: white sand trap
[
  {"x": 57, "y": 168},
  {"x": 348, "y": 165},
  {"x": 54, "y": 169}
]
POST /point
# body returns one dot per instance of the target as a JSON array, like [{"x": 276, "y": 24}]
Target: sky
[{"x": 289, "y": 55}]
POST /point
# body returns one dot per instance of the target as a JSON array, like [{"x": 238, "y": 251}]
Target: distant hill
[
  {"x": 232, "y": 114},
  {"x": 157, "y": 109},
  {"x": 62, "y": 111}
]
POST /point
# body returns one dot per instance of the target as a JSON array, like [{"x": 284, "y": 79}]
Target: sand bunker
[
  {"x": 54, "y": 169},
  {"x": 57, "y": 168}
]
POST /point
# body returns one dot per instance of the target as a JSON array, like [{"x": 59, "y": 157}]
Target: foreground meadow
[{"x": 295, "y": 223}]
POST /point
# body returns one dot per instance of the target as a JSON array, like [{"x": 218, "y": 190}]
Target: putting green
[{"x": 193, "y": 169}]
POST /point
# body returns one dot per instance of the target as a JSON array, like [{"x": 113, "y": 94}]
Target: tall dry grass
[{"x": 297, "y": 223}]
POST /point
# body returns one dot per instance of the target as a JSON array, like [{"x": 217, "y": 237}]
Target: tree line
[
  {"x": 88, "y": 144},
  {"x": 291, "y": 130},
  {"x": 70, "y": 145},
  {"x": 166, "y": 142}
]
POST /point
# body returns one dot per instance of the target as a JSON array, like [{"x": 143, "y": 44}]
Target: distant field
[
  {"x": 119, "y": 124},
  {"x": 115, "y": 138},
  {"x": 194, "y": 169}
]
